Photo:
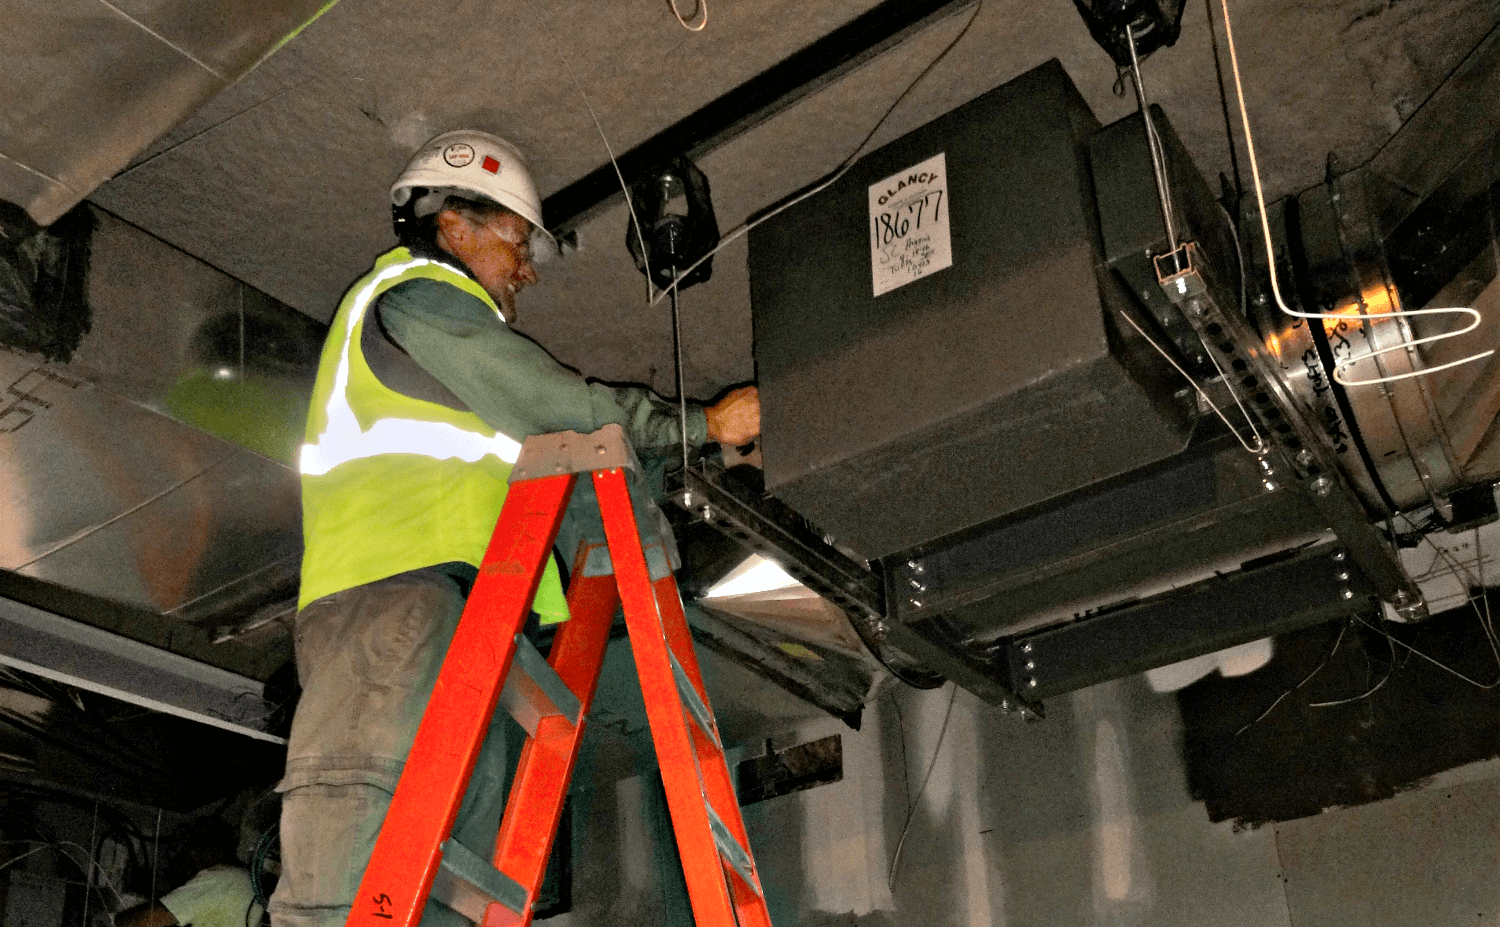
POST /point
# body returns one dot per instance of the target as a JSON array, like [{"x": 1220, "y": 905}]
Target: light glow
[{"x": 756, "y": 574}]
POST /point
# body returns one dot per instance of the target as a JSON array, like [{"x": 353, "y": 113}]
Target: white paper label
[{"x": 909, "y": 225}]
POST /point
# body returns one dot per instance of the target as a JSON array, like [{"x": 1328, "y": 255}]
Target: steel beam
[
  {"x": 46, "y": 644},
  {"x": 752, "y": 103}
]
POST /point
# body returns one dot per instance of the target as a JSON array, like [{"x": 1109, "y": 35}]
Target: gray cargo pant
[{"x": 367, "y": 658}]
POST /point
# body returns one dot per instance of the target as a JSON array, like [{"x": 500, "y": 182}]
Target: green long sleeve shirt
[
  {"x": 520, "y": 390},
  {"x": 511, "y": 382}
]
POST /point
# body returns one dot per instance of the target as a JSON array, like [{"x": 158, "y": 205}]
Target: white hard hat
[{"x": 473, "y": 164}]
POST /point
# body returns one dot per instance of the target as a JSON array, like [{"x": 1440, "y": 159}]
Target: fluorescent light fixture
[{"x": 756, "y": 574}]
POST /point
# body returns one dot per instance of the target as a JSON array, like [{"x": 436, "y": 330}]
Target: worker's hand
[{"x": 735, "y": 419}]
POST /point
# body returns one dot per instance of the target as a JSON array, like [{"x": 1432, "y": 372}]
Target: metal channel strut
[
  {"x": 1304, "y": 456},
  {"x": 860, "y": 592},
  {"x": 816, "y": 564}
]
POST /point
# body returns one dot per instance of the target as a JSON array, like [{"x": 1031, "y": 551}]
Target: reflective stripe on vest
[{"x": 342, "y": 439}]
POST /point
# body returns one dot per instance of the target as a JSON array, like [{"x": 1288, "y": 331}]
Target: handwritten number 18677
[{"x": 899, "y": 223}]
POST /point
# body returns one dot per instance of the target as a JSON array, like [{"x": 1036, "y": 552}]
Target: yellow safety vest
[{"x": 391, "y": 483}]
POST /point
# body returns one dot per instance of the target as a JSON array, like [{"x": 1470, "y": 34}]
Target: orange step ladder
[{"x": 490, "y": 661}]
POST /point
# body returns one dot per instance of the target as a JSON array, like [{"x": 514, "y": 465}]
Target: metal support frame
[
  {"x": 1305, "y": 460},
  {"x": 1259, "y": 601},
  {"x": 767, "y": 527}
]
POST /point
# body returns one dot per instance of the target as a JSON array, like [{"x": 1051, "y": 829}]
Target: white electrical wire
[
  {"x": 1260, "y": 444},
  {"x": 839, "y": 171},
  {"x": 916, "y": 800},
  {"x": 635, "y": 219},
  {"x": 702, "y": 9},
  {"x": 90, "y": 871},
  {"x": 1265, "y": 227}
]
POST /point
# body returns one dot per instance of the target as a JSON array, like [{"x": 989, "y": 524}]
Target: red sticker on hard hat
[
  {"x": 490, "y": 164},
  {"x": 459, "y": 155}
]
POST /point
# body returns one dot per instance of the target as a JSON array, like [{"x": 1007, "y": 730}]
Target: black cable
[
  {"x": 113, "y": 763},
  {"x": 258, "y": 861},
  {"x": 1234, "y": 159}
]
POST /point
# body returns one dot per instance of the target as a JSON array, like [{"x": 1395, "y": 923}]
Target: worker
[
  {"x": 218, "y": 894},
  {"x": 424, "y": 394}
]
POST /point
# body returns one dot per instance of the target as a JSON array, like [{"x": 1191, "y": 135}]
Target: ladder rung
[
  {"x": 729, "y": 848},
  {"x": 534, "y": 691},
  {"x": 467, "y": 883},
  {"x": 658, "y": 562},
  {"x": 694, "y": 703}
]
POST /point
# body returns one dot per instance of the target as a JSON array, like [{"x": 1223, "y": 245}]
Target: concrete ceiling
[{"x": 281, "y": 179}]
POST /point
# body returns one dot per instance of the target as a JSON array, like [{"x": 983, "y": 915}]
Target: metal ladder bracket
[
  {"x": 534, "y": 691},
  {"x": 571, "y": 452},
  {"x": 468, "y": 884},
  {"x": 730, "y": 850},
  {"x": 693, "y": 702},
  {"x": 658, "y": 562}
]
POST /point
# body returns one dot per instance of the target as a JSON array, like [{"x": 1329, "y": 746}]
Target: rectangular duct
[{"x": 964, "y": 391}]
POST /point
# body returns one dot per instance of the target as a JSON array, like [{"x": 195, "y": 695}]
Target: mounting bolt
[
  {"x": 1346, "y": 594},
  {"x": 917, "y": 586},
  {"x": 1196, "y": 307},
  {"x": 1305, "y": 458},
  {"x": 1005, "y": 704},
  {"x": 1322, "y": 486},
  {"x": 1026, "y": 648},
  {"x": 687, "y": 498},
  {"x": 915, "y": 603},
  {"x": 1343, "y": 576},
  {"x": 1031, "y": 664},
  {"x": 599, "y": 449},
  {"x": 1031, "y": 683},
  {"x": 1409, "y": 607},
  {"x": 1338, "y": 556},
  {"x": 915, "y": 567},
  {"x": 1271, "y": 486},
  {"x": 707, "y": 512}
]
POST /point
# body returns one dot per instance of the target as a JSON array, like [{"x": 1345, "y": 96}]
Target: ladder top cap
[{"x": 572, "y": 452}]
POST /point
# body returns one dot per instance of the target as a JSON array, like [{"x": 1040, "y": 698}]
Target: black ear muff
[{"x": 404, "y": 216}]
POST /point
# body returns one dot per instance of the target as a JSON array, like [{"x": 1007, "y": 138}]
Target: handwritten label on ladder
[{"x": 909, "y": 225}]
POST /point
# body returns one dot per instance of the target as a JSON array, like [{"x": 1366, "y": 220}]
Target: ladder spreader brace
[{"x": 491, "y": 661}]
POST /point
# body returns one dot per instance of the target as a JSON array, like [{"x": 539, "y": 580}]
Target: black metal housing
[{"x": 898, "y": 420}]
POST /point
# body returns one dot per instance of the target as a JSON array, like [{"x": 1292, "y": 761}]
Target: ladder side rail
[
  {"x": 545, "y": 767},
  {"x": 713, "y": 768},
  {"x": 703, "y": 870},
  {"x": 408, "y": 850}
]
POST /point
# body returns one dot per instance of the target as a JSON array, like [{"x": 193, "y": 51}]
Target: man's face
[{"x": 497, "y": 251}]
